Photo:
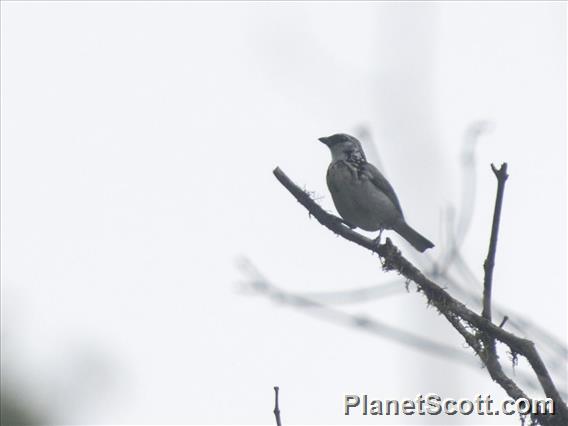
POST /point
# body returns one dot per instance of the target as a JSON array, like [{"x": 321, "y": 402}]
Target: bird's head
[{"x": 344, "y": 147}]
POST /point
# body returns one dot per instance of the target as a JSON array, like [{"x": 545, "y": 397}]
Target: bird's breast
[{"x": 358, "y": 200}]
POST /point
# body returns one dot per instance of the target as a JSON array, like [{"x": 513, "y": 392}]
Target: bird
[{"x": 362, "y": 195}]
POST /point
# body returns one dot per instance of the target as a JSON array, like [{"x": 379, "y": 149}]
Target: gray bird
[{"x": 362, "y": 195}]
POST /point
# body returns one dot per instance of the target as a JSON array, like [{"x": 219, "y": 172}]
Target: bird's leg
[
  {"x": 377, "y": 244},
  {"x": 377, "y": 241}
]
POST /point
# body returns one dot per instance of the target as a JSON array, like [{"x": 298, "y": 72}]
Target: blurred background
[{"x": 155, "y": 272}]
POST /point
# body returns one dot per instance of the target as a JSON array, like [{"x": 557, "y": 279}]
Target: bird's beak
[{"x": 324, "y": 140}]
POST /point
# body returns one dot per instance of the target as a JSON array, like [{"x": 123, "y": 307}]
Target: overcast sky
[{"x": 138, "y": 143}]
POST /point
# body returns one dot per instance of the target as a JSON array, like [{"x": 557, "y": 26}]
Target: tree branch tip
[
  {"x": 501, "y": 172},
  {"x": 276, "y": 407}
]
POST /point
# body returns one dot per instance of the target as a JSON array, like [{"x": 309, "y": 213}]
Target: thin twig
[
  {"x": 358, "y": 295},
  {"x": 276, "y": 408},
  {"x": 263, "y": 285},
  {"x": 392, "y": 259},
  {"x": 489, "y": 263},
  {"x": 489, "y": 355}
]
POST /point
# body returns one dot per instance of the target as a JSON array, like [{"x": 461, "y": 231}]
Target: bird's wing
[{"x": 381, "y": 183}]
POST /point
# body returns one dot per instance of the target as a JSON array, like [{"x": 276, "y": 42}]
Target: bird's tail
[{"x": 419, "y": 242}]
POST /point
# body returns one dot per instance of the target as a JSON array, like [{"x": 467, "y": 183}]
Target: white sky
[{"x": 138, "y": 141}]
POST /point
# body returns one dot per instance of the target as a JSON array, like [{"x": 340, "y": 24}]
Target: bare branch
[
  {"x": 365, "y": 323},
  {"x": 276, "y": 408},
  {"x": 356, "y": 295},
  {"x": 489, "y": 355},
  {"x": 489, "y": 264},
  {"x": 392, "y": 259}
]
